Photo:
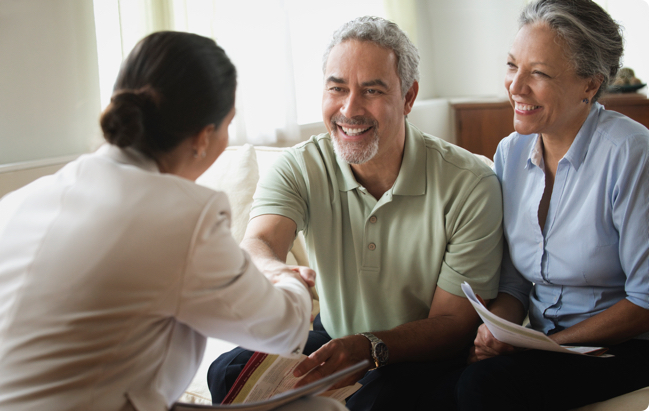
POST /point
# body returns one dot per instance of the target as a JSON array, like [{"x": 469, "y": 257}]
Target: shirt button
[
  {"x": 373, "y": 219},
  {"x": 372, "y": 246}
]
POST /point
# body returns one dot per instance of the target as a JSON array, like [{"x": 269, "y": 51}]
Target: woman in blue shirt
[{"x": 576, "y": 220}]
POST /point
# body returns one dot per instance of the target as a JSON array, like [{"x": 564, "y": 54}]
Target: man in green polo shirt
[{"x": 395, "y": 221}]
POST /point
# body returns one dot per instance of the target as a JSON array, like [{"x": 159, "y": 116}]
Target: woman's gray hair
[
  {"x": 593, "y": 39},
  {"x": 386, "y": 34}
]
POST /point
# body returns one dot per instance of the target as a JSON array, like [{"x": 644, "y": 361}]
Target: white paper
[
  {"x": 517, "y": 335},
  {"x": 314, "y": 388}
]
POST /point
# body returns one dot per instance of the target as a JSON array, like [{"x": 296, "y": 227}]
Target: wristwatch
[{"x": 380, "y": 352}]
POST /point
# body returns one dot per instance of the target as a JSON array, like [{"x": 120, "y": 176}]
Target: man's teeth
[
  {"x": 525, "y": 107},
  {"x": 354, "y": 131}
]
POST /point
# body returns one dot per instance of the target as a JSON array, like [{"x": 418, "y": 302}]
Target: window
[{"x": 277, "y": 46}]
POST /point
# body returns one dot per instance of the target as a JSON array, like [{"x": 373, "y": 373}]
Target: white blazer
[{"x": 111, "y": 277}]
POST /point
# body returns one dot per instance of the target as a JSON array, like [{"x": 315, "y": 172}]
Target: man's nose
[{"x": 353, "y": 105}]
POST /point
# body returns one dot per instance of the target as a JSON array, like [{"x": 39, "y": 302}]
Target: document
[
  {"x": 524, "y": 337},
  {"x": 267, "y": 381}
]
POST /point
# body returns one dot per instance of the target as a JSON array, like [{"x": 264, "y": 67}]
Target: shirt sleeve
[
  {"x": 630, "y": 204},
  {"x": 474, "y": 249},
  {"x": 511, "y": 281},
  {"x": 225, "y": 296},
  {"x": 283, "y": 191}
]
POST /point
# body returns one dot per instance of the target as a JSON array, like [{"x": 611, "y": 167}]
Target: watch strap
[{"x": 374, "y": 341}]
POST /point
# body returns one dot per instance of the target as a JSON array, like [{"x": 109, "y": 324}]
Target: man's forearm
[
  {"x": 260, "y": 251},
  {"x": 449, "y": 328},
  {"x": 429, "y": 339}
]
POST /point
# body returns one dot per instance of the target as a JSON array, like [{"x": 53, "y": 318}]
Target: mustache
[{"x": 355, "y": 121}]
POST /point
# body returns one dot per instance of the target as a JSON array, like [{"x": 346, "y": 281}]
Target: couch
[{"x": 237, "y": 172}]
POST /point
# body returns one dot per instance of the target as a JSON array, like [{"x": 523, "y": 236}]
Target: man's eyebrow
[
  {"x": 334, "y": 79},
  {"x": 376, "y": 82}
]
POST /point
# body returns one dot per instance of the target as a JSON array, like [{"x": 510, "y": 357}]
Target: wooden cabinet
[
  {"x": 633, "y": 105},
  {"x": 479, "y": 126}
]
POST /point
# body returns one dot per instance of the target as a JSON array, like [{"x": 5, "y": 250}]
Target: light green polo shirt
[{"x": 379, "y": 262}]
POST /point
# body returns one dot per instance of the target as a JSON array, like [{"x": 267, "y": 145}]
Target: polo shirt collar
[
  {"x": 411, "y": 180},
  {"x": 412, "y": 174},
  {"x": 344, "y": 174}
]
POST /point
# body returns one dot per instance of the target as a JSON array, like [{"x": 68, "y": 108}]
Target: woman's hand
[{"x": 487, "y": 346}]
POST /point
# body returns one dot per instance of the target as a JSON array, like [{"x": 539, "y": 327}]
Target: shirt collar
[
  {"x": 412, "y": 174},
  {"x": 128, "y": 156},
  {"x": 536, "y": 154},
  {"x": 579, "y": 147},
  {"x": 411, "y": 180},
  {"x": 344, "y": 174}
]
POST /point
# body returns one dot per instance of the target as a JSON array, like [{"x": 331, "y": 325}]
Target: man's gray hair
[
  {"x": 385, "y": 34},
  {"x": 593, "y": 39}
]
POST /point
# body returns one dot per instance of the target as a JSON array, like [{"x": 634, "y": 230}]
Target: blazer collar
[{"x": 128, "y": 156}]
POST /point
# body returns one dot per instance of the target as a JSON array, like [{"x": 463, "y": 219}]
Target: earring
[
  {"x": 203, "y": 154},
  {"x": 585, "y": 101}
]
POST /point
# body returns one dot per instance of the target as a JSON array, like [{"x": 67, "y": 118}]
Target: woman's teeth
[{"x": 525, "y": 107}]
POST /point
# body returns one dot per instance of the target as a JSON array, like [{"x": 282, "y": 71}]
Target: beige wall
[
  {"x": 49, "y": 82},
  {"x": 13, "y": 180}
]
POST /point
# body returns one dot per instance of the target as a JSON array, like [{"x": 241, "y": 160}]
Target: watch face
[{"x": 381, "y": 352}]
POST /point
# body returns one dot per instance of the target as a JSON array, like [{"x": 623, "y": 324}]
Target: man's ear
[
  {"x": 411, "y": 95},
  {"x": 201, "y": 141}
]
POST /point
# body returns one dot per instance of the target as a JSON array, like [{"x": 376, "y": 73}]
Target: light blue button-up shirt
[{"x": 594, "y": 248}]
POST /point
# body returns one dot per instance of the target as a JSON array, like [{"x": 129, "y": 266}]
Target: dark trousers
[
  {"x": 393, "y": 387},
  {"x": 542, "y": 380}
]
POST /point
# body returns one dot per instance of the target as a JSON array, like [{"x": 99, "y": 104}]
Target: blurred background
[{"x": 59, "y": 59}]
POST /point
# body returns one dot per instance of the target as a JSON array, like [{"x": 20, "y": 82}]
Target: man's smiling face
[{"x": 362, "y": 105}]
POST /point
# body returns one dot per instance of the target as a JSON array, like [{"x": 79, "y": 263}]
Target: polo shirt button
[
  {"x": 373, "y": 219},
  {"x": 372, "y": 246}
]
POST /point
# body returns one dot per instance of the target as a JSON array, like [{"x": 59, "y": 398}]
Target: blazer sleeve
[{"x": 225, "y": 296}]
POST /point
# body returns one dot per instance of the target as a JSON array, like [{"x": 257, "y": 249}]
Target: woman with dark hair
[
  {"x": 115, "y": 269},
  {"x": 576, "y": 220}
]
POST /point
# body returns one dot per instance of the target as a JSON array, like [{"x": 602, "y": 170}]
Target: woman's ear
[
  {"x": 593, "y": 85},
  {"x": 201, "y": 141}
]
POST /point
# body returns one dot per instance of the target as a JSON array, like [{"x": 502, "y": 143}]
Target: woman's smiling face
[{"x": 544, "y": 89}]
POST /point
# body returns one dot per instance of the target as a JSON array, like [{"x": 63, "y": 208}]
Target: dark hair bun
[
  {"x": 171, "y": 86},
  {"x": 125, "y": 119}
]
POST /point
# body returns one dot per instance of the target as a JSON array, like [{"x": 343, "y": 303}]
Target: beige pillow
[{"x": 236, "y": 173}]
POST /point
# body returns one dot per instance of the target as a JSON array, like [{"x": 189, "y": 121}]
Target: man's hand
[
  {"x": 268, "y": 239},
  {"x": 334, "y": 356},
  {"x": 487, "y": 346},
  {"x": 276, "y": 270}
]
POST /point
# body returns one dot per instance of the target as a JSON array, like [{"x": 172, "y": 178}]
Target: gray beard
[{"x": 358, "y": 152}]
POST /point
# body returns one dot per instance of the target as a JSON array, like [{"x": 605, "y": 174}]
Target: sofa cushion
[{"x": 236, "y": 173}]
